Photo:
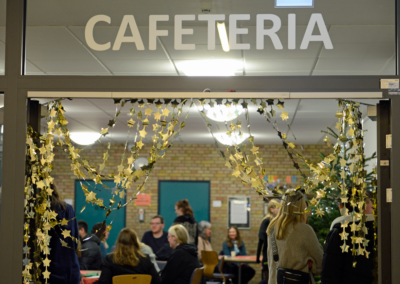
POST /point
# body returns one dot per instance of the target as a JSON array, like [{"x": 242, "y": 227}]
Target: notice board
[{"x": 239, "y": 212}]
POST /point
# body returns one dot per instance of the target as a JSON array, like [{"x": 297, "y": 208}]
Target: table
[
  {"x": 241, "y": 259},
  {"x": 83, "y": 272}
]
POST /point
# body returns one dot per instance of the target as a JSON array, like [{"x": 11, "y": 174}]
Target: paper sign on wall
[
  {"x": 288, "y": 179},
  {"x": 294, "y": 179},
  {"x": 143, "y": 199},
  {"x": 275, "y": 179},
  {"x": 238, "y": 212}
]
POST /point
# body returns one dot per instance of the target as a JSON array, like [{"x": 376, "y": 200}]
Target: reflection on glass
[
  {"x": 153, "y": 38},
  {"x": 294, "y": 3}
]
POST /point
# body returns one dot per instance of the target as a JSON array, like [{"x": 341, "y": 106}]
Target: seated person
[
  {"x": 99, "y": 229},
  {"x": 183, "y": 260},
  {"x": 204, "y": 235},
  {"x": 127, "y": 259},
  {"x": 91, "y": 258},
  {"x": 157, "y": 237},
  {"x": 235, "y": 244}
]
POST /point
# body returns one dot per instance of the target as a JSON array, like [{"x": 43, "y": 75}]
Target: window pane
[
  {"x": 2, "y": 35},
  {"x": 294, "y": 3},
  {"x": 99, "y": 37}
]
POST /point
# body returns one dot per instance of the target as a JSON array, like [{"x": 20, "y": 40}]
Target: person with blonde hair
[
  {"x": 293, "y": 246},
  {"x": 272, "y": 211},
  {"x": 183, "y": 260},
  {"x": 127, "y": 259}
]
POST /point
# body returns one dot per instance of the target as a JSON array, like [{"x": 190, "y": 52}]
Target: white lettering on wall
[
  {"x": 153, "y": 32},
  {"x": 324, "y": 35},
  {"x": 128, "y": 20},
  {"x": 261, "y": 32},
  {"x": 234, "y": 31},
  {"x": 179, "y": 31},
  {"x": 212, "y": 23},
  {"x": 89, "y": 33},
  {"x": 316, "y": 20}
]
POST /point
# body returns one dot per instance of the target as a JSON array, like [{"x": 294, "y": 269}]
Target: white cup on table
[{"x": 233, "y": 253}]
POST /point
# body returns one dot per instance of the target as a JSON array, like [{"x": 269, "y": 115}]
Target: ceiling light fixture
[
  {"x": 84, "y": 138},
  {"x": 222, "y": 112},
  {"x": 215, "y": 67},
  {"x": 234, "y": 139},
  {"x": 223, "y": 36}
]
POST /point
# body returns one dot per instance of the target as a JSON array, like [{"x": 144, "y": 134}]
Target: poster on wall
[{"x": 239, "y": 212}]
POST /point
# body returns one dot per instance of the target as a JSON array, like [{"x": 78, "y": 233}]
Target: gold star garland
[{"x": 39, "y": 167}]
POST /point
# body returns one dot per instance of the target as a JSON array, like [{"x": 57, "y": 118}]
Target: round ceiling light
[
  {"x": 222, "y": 112},
  {"x": 234, "y": 139},
  {"x": 84, "y": 138}
]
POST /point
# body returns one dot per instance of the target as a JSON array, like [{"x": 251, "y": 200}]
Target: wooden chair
[
  {"x": 210, "y": 261},
  {"x": 132, "y": 279},
  {"x": 197, "y": 276}
]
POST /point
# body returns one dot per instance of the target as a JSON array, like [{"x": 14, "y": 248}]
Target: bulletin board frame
[{"x": 246, "y": 225}]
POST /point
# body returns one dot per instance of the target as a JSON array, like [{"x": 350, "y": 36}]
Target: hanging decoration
[{"x": 39, "y": 218}]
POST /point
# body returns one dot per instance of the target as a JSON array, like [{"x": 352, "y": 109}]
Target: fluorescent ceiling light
[
  {"x": 84, "y": 138},
  {"x": 223, "y": 36},
  {"x": 215, "y": 67},
  {"x": 294, "y": 3},
  {"x": 234, "y": 139},
  {"x": 222, "y": 112}
]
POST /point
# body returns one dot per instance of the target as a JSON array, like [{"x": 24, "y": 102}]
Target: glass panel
[
  {"x": 294, "y": 3},
  {"x": 181, "y": 38}
]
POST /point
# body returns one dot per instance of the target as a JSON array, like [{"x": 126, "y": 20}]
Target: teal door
[
  {"x": 93, "y": 214},
  {"x": 196, "y": 192}
]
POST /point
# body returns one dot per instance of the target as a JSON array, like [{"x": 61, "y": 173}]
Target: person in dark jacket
[
  {"x": 99, "y": 229},
  {"x": 64, "y": 265},
  {"x": 186, "y": 218},
  {"x": 91, "y": 258},
  {"x": 337, "y": 266},
  {"x": 127, "y": 259},
  {"x": 183, "y": 260},
  {"x": 273, "y": 208},
  {"x": 234, "y": 244}
]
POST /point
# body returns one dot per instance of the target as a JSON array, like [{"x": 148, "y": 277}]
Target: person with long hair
[
  {"x": 99, "y": 229},
  {"x": 185, "y": 217},
  {"x": 204, "y": 236},
  {"x": 296, "y": 242},
  {"x": 234, "y": 243},
  {"x": 127, "y": 259},
  {"x": 272, "y": 211},
  {"x": 183, "y": 260},
  {"x": 64, "y": 265}
]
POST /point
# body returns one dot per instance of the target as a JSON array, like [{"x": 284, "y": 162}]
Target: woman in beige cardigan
[
  {"x": 296, "y": 241},
  {"x": 204, "y": 235}
]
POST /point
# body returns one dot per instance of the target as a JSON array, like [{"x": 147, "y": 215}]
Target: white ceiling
[
  {"x": 312, "y": 116},
  {"x": 362, "y": 33}
]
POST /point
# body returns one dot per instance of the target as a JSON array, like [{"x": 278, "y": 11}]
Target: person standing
[
  {"x": 296, "y": 242},
  {"x": 337, "y": 266},
  {"x": 234, "y": 243},
  {"x": 91, "y": 258},
  {"x": 204, "y": 236},
  {"x": 183, "y": 260},
  {"x": 185, "y": 217},
  {"x": 156, "y": 238},
  {"x": 64, "y": 265},
  {"x": 273, "y": 208}
]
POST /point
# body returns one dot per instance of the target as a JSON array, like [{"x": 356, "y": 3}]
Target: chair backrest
[
  {"x": 132, "y": 279},
  {"x": 197, "y": 275},
  {"x": 210, "y": 261}
]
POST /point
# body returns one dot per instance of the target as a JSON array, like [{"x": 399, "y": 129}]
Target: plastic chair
[
  {"x": 210, "y": 261},
  {"x": 132, "y": 279},
  {"x": 197, "y": 276}
]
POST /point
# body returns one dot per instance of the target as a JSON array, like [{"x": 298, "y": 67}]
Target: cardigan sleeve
[
  {"x": 226, "y": 249},
  {"x": 314, "y": 249},
  {"x": 242, "y": 249}
]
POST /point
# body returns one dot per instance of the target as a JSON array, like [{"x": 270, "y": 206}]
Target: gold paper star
[
  {"x": 143, "y": 133},
  {"x": 121, "y": 168},
  {"x": 64, "y": 222},
  {"x": 291, "y": 145},
  {"x": 140, "y": 144},
  {"x": 338, "y": 126},
  {"x": 157, "y": 116},
  {"x": 284, "y": 115},
  {"x": 166, "y": 112},
  {"x": 66, "y": 233},
  {"x": 53, "y": 113},
  {"x": 344, "y": 247},
  {"x": 46, "y": 274},
  {"x": 228, "y": 164},
  {"x": 320, "y": 212},
  {"x": 155, "y": 126},
  {"x": 46, "y": 262},
  {"x": 131, "y": 122},
  {"x": 254, "y": 149},
  {"x": 343, "y": 162},
  {"x": 64, "y": 244},
  {"x": 148, "y": 111},
  {"x": 90, "y": 196},
  {"x": 236, "y": 173},
  {"x": 351, "y": 132},
  {"x": 344, "y": 235},
  {"x": 122, "y": 194}
]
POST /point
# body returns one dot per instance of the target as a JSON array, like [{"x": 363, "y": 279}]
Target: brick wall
[{"x": 192, "y": 162}]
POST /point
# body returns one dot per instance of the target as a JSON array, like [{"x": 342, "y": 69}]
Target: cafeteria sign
[{"x": 316, "y": 20}]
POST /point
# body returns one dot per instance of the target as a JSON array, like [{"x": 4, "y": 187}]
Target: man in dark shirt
[
  {"x": 157, "y": 237},
  {"x": 91, "y": 258}
]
